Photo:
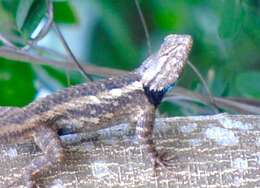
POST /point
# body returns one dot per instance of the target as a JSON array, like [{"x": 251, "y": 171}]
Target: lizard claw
[{"x": 163, "y": 161}]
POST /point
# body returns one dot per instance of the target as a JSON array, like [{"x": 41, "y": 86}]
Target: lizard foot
[{"x": 163, "y": 160}]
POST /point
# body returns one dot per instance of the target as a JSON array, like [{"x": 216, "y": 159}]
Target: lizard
[{"x": 132, "y": 97}]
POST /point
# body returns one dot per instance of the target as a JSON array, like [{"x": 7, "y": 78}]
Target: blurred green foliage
[
  {"x": 16, "y": 83},
  {"x": 226, "y": 41}
]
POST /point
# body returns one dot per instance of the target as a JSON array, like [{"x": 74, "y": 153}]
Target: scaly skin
[{"x": 129, "y": 98}]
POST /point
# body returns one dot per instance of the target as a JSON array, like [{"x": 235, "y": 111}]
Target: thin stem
[
  {"x": 147, "y": 36},
  {"x": 6, "y": 42},
  {"x": 211, "y": 98},
  {"x": 68, "y": 50},
  {"x": 26, "y": 57}
]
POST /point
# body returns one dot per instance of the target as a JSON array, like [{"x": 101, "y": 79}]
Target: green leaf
[
  {"x": 62, "y": 76},
  {"x": 220, "y": 84},
  {"x": 19, "y": 18},
  {"x": 22, "y": 12},
  {"x": 64, "y": 13},
  {"x": 34, "y": 16},
  {"x": 8, "y": 26},
  {"x": 248, "y": 84},
  {"x": 16, "y": 83},
  {"x": 231, "y": 19},
  {"x": 168, "y": 108},
  {"x": 10, "y": 7},
  {"x": 115, "y": 34}
]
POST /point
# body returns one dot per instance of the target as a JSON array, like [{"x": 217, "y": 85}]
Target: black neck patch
[{"x": 154, "y": 97}]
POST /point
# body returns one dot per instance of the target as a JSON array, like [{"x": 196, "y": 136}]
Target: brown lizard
[{"x": 91, "y": 106}]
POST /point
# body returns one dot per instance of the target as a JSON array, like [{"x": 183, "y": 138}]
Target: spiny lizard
[{"x": 91, "y": 106}]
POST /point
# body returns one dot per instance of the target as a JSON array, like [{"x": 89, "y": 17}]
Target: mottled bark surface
[{"x": 209, "y": 151}]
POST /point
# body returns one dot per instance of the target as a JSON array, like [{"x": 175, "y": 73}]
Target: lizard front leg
[
  {"x": 53, "y": 152},
  {"x": 144, "y": 131}
]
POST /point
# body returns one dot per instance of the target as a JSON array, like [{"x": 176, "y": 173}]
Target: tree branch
[
  {"x": 23, "y": 56},
  {"x": 210, "y": 151}
]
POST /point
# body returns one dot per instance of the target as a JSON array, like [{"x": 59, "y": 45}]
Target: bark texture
[{"x": 209, "y": 151}]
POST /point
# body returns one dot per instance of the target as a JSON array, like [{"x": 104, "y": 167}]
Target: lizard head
[{"x": 160, "y": 71}]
